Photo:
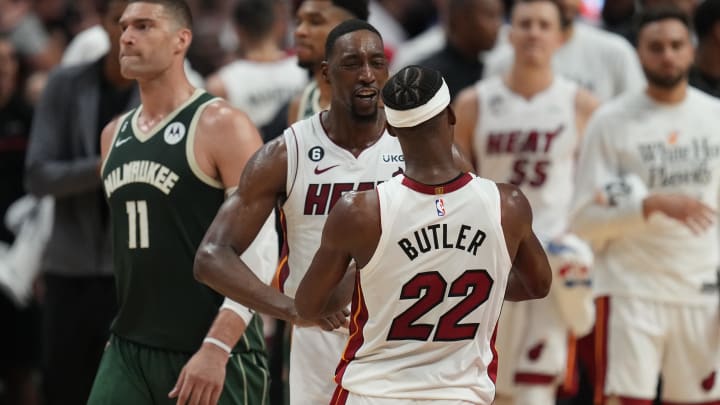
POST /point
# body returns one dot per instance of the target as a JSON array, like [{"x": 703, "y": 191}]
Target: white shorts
[
  {"x": 314, "y": 357},
  {"x": 532, "y": 345},
  {"x": 343, "y": 397},
  {"x": 639, "y": 339}
]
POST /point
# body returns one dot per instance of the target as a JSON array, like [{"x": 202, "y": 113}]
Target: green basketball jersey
[{"x": 161, "y": 205}]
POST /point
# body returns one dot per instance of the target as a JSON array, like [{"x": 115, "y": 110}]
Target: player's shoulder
[
  {"x": 220, "y": 114},
  {"x": 701, "y": 98},
  {"x": 356, "y": 206}
]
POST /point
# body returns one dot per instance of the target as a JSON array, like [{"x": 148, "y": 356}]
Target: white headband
[{"x": 419, "y": 114}]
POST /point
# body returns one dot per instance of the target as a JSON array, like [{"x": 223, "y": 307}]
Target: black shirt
[
  {"x": 15, "y": 121},
  {"x": 704, "y": 82},
  {"x": 457, "y": 70}
]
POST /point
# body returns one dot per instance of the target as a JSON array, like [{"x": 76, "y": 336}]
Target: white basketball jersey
[
  {"x": 532, "y": 144},
  {"x": 261, "y": 88},
  {"x": 319, "y": 172},
  {"x": 426, "y": 304}
]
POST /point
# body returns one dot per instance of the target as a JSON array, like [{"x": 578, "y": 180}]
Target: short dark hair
[
  {"x": 707, "y": 15},
  {"x": 659, "y": 13},
  {"x": 343, "y": 28},
  {"x": 411, "y": 87},
  {"x": 358, "y": 8},
  {"x": 179, "y": 9},
  {"x": 255, "y": 17},
  {"x": 564, "y": 23}
]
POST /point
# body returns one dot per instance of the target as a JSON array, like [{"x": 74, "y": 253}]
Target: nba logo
[{"x": 440, "y": 207}]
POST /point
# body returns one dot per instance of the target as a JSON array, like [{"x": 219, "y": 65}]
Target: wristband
[{"x": 219, "y": 343}]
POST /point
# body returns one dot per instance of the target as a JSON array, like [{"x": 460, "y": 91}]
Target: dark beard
[
  {"x": 306, "y": 64},
  {"x": 665, "y": 82}
]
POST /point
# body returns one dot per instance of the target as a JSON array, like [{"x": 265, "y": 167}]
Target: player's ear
[
  {"x": 324, "y": 70},
  {"x": 184, "y": 39},
  {"x": 452, "y": 119}
]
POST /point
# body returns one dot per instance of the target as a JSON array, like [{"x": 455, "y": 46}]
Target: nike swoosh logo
[
  {"x": 122, "y": 141},
  {"x": 318, "y": 170}
]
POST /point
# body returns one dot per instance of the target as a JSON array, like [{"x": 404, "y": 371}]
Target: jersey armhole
[
  {"x": 118, "y": 127},
  {"x": 292, "y": 152},
  {"x": 190, "y": 149},
  {"x": 387, "y": 208}
]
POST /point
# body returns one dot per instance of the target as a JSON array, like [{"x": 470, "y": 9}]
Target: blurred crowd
[{"x": 465, "y": 39}]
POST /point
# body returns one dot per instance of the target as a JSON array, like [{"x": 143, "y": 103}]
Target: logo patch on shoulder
[{"x": 174, "y": 133}]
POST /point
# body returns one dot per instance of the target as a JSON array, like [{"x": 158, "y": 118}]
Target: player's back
[{"x": 426, "y": 305}]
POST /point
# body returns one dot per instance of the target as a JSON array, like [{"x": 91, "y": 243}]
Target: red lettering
[
  {"x": 338, "y": 190},
  {"x": 316, "y": 200}
]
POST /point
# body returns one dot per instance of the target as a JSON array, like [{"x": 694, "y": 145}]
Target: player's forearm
[
  {"x": 221, "y": 269},
  {"x": 596, "y": 222}
]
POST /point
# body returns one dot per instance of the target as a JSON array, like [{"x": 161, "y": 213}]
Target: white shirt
[
  {"x": 670, "y": 149},
  {"x": 260, "y": 89},
  {"x": 426, "y": 305},
  {"x": 600, "y": 61}
]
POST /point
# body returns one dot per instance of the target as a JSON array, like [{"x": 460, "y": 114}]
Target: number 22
[{"x": 448, "y": 327}]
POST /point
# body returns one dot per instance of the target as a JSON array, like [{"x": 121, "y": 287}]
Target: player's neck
[
  {"x": 427, "y": 166},
  {"x": 164, "y": 93},
  {"x": 664, "y": 95},
  {"x": 527, "y": 81},
  {"x": 708, "y": 60},
  {"x": 353, "y": 135},
  {"x": 264, "y": 51}
]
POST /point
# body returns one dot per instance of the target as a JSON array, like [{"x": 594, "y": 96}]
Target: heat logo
[{"x": 440, "y": 207}]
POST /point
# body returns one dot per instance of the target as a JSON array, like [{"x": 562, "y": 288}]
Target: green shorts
[{"x": 135, "y": 374}]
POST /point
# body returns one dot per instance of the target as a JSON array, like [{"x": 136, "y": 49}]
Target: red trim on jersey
[
  {"x": 493, "y": 366},
  {"x": 602, "y": 308},
  {"x": 637, "y": 401},
  {"x": 445, "y": 188},
  {"x": 283, "y": 270},
  {"x": 570, "y": 385},
  {"x": 534, "y": 379},
  {"x": 339, "y": 396},
  {"x": 359, "y": 319}
]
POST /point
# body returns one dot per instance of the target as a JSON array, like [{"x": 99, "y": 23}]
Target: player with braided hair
[{"x": 434, "y": 243}]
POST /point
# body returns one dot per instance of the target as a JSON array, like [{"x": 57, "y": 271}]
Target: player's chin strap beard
[{"x": 418, "y": 115}]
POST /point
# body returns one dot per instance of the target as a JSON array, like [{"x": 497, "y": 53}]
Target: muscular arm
[
  {"x": 217, "y": 262},
  {"x": 327, "y": 277},
  {"x": 466, "y": 111},
  {"x": 530, "y": 276}
]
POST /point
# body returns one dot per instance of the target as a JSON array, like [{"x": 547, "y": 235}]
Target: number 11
[{"x": 137, "y": 212}]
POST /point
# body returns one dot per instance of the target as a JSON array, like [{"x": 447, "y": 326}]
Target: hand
[
  {"x": 334, "y": 321},
  {"x": 697, "y": 216},
  {"x": 201, "y": 380},
  {"x": 327, "y": 323}
]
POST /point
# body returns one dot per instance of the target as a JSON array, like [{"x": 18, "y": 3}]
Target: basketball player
[
  {"x": 308, "y": 169},
  {"x": 647, "y": 188},
  {"x": 165, "y": 167},
  {"x": 601, "y": 62},
  {"x": 525, "y": 128},
  {"x": 265, "y": 77},
  {"x": 435, "y": 244}
]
